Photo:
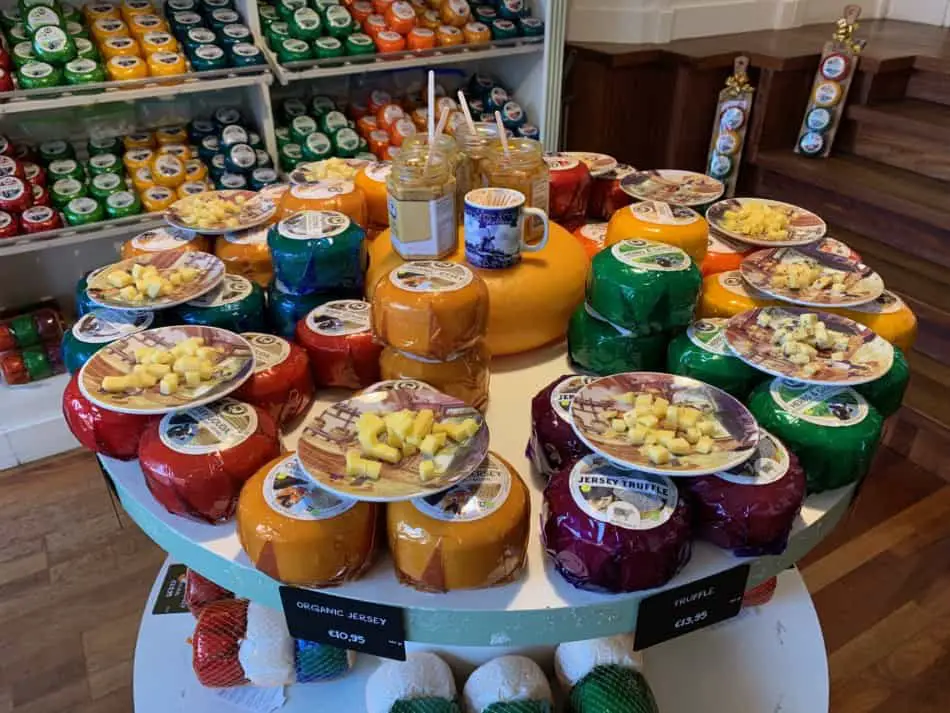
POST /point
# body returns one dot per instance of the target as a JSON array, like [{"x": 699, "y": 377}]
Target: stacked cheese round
[
  {"x": 888, "y": 316},
  {"x": 603, "y": 348},
  {"x": 107, "y": 433},
  {"x": 281, "y": 383},
  {"x": 508, "y": 683},
  {"x": 723, "y": 255},
  {"x": 246, "y": 254},
  {"x": 372, "y": 181},
  {"x": 423, "y": 683},
  {"x": 285, "y": 309},
  {"x": 887, "y": 393},
  {"x": 236, "y": 304},
  {"x": 161, "y": 239},
  {"x": 726, "y": 294},
  {"x": 701, "y": 352},
  {"x": 604, "y": 675},
  {"x": 663, "y": 223},
  {"x": 338, "y": 337},
  {"x": 95, "y": 329},
  {"x": 331, "y": 194},
  {"x": 553, "y": 444}
]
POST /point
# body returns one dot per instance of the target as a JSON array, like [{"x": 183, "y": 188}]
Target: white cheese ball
[
  {"x": 507, "y": 678},
  {"x": 575, "y": 659},
  {"x": 267, "y": 651},
  {"x": 421, "y": 675}
]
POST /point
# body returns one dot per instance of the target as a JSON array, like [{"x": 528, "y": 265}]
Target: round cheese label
[
  {"x": 818, "y": 119},
  {"x": 887, "y": 303},
  {"x": 162, "y": 239},
  {"x": 732, "y": 118},
  {"x": 233, "y": 135},
  {"x": 313, "y": 225},
  {"x": 663, "y": 213},
  {"x": 498, "y": 96},
  {"x": 63, "y": 166},
  {"x": 474, "y": 498},
  {"x": 290, "y": 491},
  {"x": 11, "y": 188},
  {"x": 208, "y": 429},
  {"x": 431, "y": 276},
  {"x": 254, "y": 236},
  {"x": 41, "y": 17},
  {"x": 227, "y": 115},
  {"x": 733, "y": 281},
  {"x": 648, "y": 255},
  {"x": 378, "y": 171},
  {"x": 243, "y": 156},
  {"x": 83, "y": 206},
  {"x": 811, "y": 143},
  {"x": 827, "y": 94},
  {"x": 233, "y": 180},
  {"x": 377, "y": 97},
  {"x": 107, "y": 325},
  {"x": 323, "y": 190},
  {"x": 769, "y": 463},
  {"x": 8, "y": 166},
  {"x": 623, "y": 498},
  {"x": 720, "y": 165},
  {"x": 50, "y": 39},
  {"x": 120, "y": 200},
  {"x": 318, "y": 143},
  {"x": 820, "y": 404},
  {"x": 707, "y": 334},
  {"x": 103, "y": 161},
  {"x": 107, "y": 181},
  {"x": 559, "y": 162},
  {"x": 233, "y": 288},
  {"x": 269, "y": 350},
  {"x": 595, "y": 232},
  {"x": 398, "y": 385},
  {"x": 340, "y": 318},
  {"x": 562, "y": 396},
  {"x": 835, "y": 66},
  {"x": 727, "y": 142}
]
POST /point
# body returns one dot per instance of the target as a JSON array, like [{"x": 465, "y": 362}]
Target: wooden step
[{"x": 929, "y": 86}]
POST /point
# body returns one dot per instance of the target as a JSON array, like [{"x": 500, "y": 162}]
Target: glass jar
[
  {"x": 475, "y": 146},
  {"x": 421, "y": 199},
  {"x": 458, "y": 163},
  {"x": 522, "y": 169}
]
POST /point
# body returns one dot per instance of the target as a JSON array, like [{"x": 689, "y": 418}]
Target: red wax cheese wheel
[
  {"x": 554, "y": 445},
  {"x": 281, "y": 383},
  {"x": 107, "y": 433},
  {"x": 339, "y": 342},
  {"x": 216, "y": 642},
  {"x": 570, "y": 187},
  {"x": 200, "y": 592},
  {"x": 9, "y": 227},
  {"x": 196, "y": 461},
  {"x": 614, "y": 530}
]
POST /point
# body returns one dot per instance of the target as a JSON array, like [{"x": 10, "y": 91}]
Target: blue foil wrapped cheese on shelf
[{"x": 98, "y": 328}]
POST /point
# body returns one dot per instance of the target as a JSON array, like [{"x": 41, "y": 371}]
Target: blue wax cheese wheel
[
  {"x": 423, "y": 683},
  {"x": 98, "y": 328},
  {"x": 267, "y": 652},
  {"x": 318, "y": 251},
  {"x": 701, "y": 352},
  {"x": 285, "y": 308},
  {"x": 84, "y": 305},
  {"x": 597, "y": 346},
  {"x": 644, "y": 286},
  {"x": 508, "y": 684},
  {"x": 887, "y": 393},
  {"x": 833, "y": 430},
  {"x": 236, "y": 304},
  {"x": 603, "y": 675}
]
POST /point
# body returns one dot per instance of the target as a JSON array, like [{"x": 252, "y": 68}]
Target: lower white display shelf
[{"x": 770, "y": 658}]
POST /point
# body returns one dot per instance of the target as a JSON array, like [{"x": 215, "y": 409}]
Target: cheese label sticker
[
  {"x": 233, "y": 288},
  {"x": 720, "y": 244},
  {"x": 11, "y": 188},
  {"x": 623, "y": 498},
  {"x": 818, "y": 119},
  {"x": 560, "y": 162},
  {"x": 474, "y": 498},
  {"x": 769, "y": 463},
  {"x": 887, "y": 303},
  {"x": 317, "y": 143},
  {"x": 103, "y": 161},
  {"x": 827, "y": 93},
  {"x": 107, "y": 325},
  {"x": 398, "y": 385},
  {"x": 431, "y": 276},
  {"x": 208, "y": 429},
  {"x": 254, "y": 236},
  {"x": 106, "y": 181},
  {"x": 663, "y": 213},
  {"x": 313, "y": 225},
  {"x": 161, "y": 239},
  {"x": 727, "y": 142},
  {"x": 323, "y": 190},
  {"x": 598, "y": 164},
  {"x": 733, "y": 281},
  {"x": 562, "y": 396},
  {"x": 121, "y": 199},
  {"x": 707, "y": 334},
  {"x": 648, "y": 255},
  {"x": 8, "y": 166},
  {"x": 732, "y": 118},
  {"x": 83, "y": 206},
  {"x": 290, "y": 491},
  {"x": 39, "y": 17},
  {"x": 834, "y": 66},
  {"x": 269, "y": 351},
  {"x": 340, "y": 318},
  {"x": 378, "y": 171},
  {"x": 233, "y": 135},
  {"x": 821, "y": 405}
]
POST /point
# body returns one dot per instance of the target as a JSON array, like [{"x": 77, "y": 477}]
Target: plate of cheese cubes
[
  {"x": 662, "y": 423},
  {"x": 219, "y": 212},
  {"x": 167, "y": 369},
  {"x": 760, "y": 221},
  {"x": 156, "y": 280},
  {"x": 812, "y": 277},
  {"x": 808, "y": 346},
  {"x": 389, "y": 445}
]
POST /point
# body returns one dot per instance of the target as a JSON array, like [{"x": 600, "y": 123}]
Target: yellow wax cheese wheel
[
  {"x": 166, "y": 64},
  {"x": 664, "y": 223},
  {"x": 726, "y": 294},
  {"x": 471, "y": 536},
  {"x": 120, "y": 47},
  {"x": 106, "y": 27},
  {"x": 158, "y": 198},
  {"x": 192, "y": 188},
  {"x": 195, "y": 169},
  {"x": 160, "y": 239},
  {"x": 298, "y": 533},
  {"x": 246, "y": 254},
  {"x": 141, "y": 140},
  {"x": 372, "y": 180},
  {"x": 888, "y": 316},
  {"x": 171, "y": 135},
  {"x": 530, "y": 304},
  {"x": 124, "y": 67},
  {"x": 134, "y": 159},
  {"x": 180, "y": 151},
  {"x": 142, "y": 179},
  {"x": 465, "y": 376},
  {"x": 167, "y": 170}
]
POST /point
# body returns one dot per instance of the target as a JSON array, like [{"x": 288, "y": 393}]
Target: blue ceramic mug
[{"x": 494, "y": 227}]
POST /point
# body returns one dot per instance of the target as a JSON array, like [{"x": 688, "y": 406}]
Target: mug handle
[{"x": 537, "y": 212}]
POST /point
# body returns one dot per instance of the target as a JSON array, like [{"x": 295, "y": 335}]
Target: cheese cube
[
  {"x": 188, "y": 274},
  {"x": 608, "y": 415},
  {"x": 643, "y": 403},
  {"x": 158, "y": 370},
  {"x": 153, "y": 288},
  {"x": 421, "y": 426},
  {"x": 432, "y": 443},
  {"x": 426, "y": 470},
  {"x": 637, "y": 435},
  {"x": 627, "y": 398},
  {"x": 658, "y": 455},
  {"x": 169, "y": 384},
  {"x": 186, "y": 363},
  {"x": 648, "y": 420},
  {"x": 129, "y": 294},
  {"x": 144, "y": 354},
  {"x": 115, "y": 384},
  {"x": 206, "y": 370},
  {"x": 687, "y": 416},
  {"x": 663, "y": 437},
  {"x": 704, "y": 445},
  {"x": 659, "y": 406},
  {"x": 692, "y": 435},
  {"x": 137, "y": 270},
  {"x": 679, "y": 447},
  {"x": 119, "y": 278},
  {"x": 671, "y": 418},
  {"x": 630, "y": 418},
  {"x": 706, "y": 427},
  {"x": 618, "y": 425},
  {"x": 193, "y": 378}
]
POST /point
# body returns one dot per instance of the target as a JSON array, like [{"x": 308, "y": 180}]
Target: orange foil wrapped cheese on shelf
[
  {"x": 107, "y": 433},
  {"x": 372, "y": 180},
  {"x": 723, "y": 254},
  {"x": 246, "y": 254},
  {"x": 664, "y": 223},
  {"x": 281, "y": 383},
  {"x": 465, "y": 375},
  {"x": 339, "y": 342},
  {"x": 298, "y": 533},
  {"x": 196, "y": 461},
  {"x": 329, "y": 194},
  {"x": 159, "y": 239},
  {"x": 471, "y": 536}
]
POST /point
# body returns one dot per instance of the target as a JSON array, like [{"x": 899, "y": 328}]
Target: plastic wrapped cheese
[
  {"x": 216, "y": 643},
  {"x": 281, "y": 383},
  {"x": 339, "y": 341},
  {"x": 889, "y": 316},
  {"x": 107, "y": 433},
  {"x": 674, "y": 225},
  {"x": 508, "y": 684},
  {"x": 465, "y": 375},
  {"x": 603, "y": 675},
  {"x": 596, "y": 345},
  {"x": 430, "y": 308},
  {"x": 643, "y": 286},
  {"x": 726, "y": 294},
  {"x": 887, "y": 393},
  {"x": 319, "y": 662},
  {"x": 701, "y": 352},
  {"x": 832, "y": 430},
  {"x": 372, "y": 181},
  {"x": 236, "y": 304},
  {"x": 285, "y": 309},
  {"x": 723, "y": 254},
  {"x": 196, "y": 461},
  {"x": 331, "y": 194},
  {"x": 614, "y": 530},
  {"x": 423, "y": 683},
  {"x": 96, "y": 329},
  {"x": 200, "y": 592},
  {"x": 471, "y": 536},
  {"x": 554, "y": 444},
  {"x": 160, "y": 239},
  {"x": 298, "y": 533},
  {"x": 246, "y": 254},
  {"x": 570, "y": 187},
  {"x": 751, "y": 508}
]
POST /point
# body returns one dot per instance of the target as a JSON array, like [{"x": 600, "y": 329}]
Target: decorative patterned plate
[
  {"x": 326, "y": 438},
  {"x": 117, "y": 359},
  {"x": 204, "y": 212},
  {"x": 866, "y": 357},
  {"x": 765, "y": 270},
  {"x": 210, "y": 269},
  {"x": 735, "y": 434},
  {"x": 672, "y": 186},
  {"x": 803, "y": 226}
]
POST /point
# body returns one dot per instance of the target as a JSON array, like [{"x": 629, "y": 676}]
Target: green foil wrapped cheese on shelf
[
  {"x": 701, "y": 353},
  {"x": 285, "y": 309},
  {"x": 887, "y": 393},
  {"x": 97, "y": 328},
  {"x": 644, "y": 286},
  {"x": 236, "y": 304},
  {"x": 833, "y": 430},
  {"x": 596, "y": 345}
]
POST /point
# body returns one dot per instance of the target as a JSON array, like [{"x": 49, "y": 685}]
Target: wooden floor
[{"x": 74, "y": 575}]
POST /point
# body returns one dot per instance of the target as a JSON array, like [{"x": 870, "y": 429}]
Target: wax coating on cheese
[
  {"x": 553, "y": 443},
  {"x": 107, "y": 433},
  {"x": 339, "y": 341},
  {"x": 281, "y": 383},
  {"x": 465, "y": 376},
  {"x": 701, "y": 353},
  {"x": 675, "y": 225},
  {"x": 596, "y": 345}
]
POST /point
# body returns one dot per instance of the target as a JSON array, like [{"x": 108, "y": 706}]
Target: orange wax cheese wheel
[
  {"x": 465, "y": 375},
  {"x": 723, "y": 254},
  {"x": 663, "y": 223},
  {"x": 888, "y": 316},
  {"x": 131, "y": 8},
  {"x": 366, "y": 124},
  {"x": 134, "y": 159},
  {"x": 372, "y": 181},
  {"x": 159, "y": 239},
  {"x": 195, "y": 170},
  {"x": 472, "y": 536},
  {"x": 449, "y": 36},
  {"x": 420, "y": 38},
  {"x": 246, "y": 253},
  {"x": 389, "y": 41},
  {"x": 180, "y": 151},
  {"x": 125, "y": 67},
  {"x": 298, "y": 533},
  {"x": 171, "y": 135},
  {"x": 120, "y": 47},
  {"x": 726, "y": 294},
  {"x": 592, "y": 237},
  {"x": 455, "y": 12},
  {"x": 165, "y": 64},
  {"x": 167, "y": 170},
  {"x": 158, "y": 198},
  {"x": 142, "y": 179},
  {"x": 336, "y": 194},
  {"x": 430, "y": 308}
]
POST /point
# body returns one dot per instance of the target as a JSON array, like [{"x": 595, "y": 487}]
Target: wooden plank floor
[{"x": 74, "y": 575}]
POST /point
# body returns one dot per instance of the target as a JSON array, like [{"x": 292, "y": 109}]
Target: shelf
[
  {"x": 31, "y": 421},
  {"x": 771, "y": 658},
  {"x": 539, "y": 609},
  {"x": 74, "y": 234}
]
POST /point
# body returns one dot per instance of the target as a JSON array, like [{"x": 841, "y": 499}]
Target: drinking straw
[
  {"x": 502, "y": 134},
  {"x": 466, "y": 112}
]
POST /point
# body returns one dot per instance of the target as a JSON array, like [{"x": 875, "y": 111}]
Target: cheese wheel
[
  {"x": 281, "y": 383},
  {"x": 471, "y": 536},
  {"x": 596, "y": 345},
  {"x": 465, "y": 375},
  {"x": 200, "y": 592},
  {"x": 887, "y": 393},
  {"x": 160, "y": 239},
  {"x": 726, "y": 294},
  {"x": 267, "y": 651},
  {"x": 246, "y": 254},
  {"x": 889, "y": 316},
  {"x": 107, "y": 433},
  {"x": 285, "y": 309},
  {"x": 430, "y": 308},
  {"x": 606, "y": 195},
  {"x": 96, "y": 329},
  {"x": 643, "y": 286},
  {"x": 723, "y": 255},
  {"x": 329, "y": 194},
  {"x": 236, "y": 304},
  {"x": 216, "y": 642},
  {"x": 592, "y": 237},
  {"x": 338, "y": 338},
  {"x": 196, "y": 461},
  {"x": 663, "y": 223},
  {"x": 423, "y": 683},
  {"x": 570, "y": 186},
  {"x": 298, "y": 533},
  {"x": 372, "y": 181},
  {"x": 319, "y": 662},
  {"x": 604, "y": 675},
  {"x": 553, "y": 443},
  {"x": 701, "y": 352},
  {"x": 508, "y": 683}
]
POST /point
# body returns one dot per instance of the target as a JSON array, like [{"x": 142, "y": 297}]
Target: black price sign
[
  {"x": 692, "y": 606},
  {"x": 366, "y": 627},
  {"x": 171, "y": 597}
]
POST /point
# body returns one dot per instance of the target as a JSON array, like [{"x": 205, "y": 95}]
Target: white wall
[{"x": 665, "y": 20}]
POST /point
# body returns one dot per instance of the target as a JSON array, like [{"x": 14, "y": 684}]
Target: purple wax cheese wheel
[{"x": 553, "y": 443}]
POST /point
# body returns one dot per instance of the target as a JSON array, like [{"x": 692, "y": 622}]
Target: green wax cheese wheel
[
  {"x": 339, "y": 22},
  {"x": 305, "y": 24},
  {"x": 321, "y": 105},
  {"x": 41, "y": 16},
  {"x": 208, "y": 146},
  {"x": 244, "y": 54},
  {"x": 65, "y": 190},
  {"x": 39, "y": 75},
  {"x": 326, "y": 47},
  {"x": 263, "y": 159},
  {"x": 173, "y": 6},
  {"x": 98, "y": 328},
  {"x": 282, "y": 135},
  {"x": 833, "y": 430},
  {"x": 285, "y": 309},
  {"x": 18, "y": 33},
  {"x": 109, "y": 145},
  {"x": 65, "y": 168},
  {"x": 199, "y": 129},
  {"x": 322, "y": 6},
  {"x": 290, "y": 155},
  {"x": 9, "y": 17},
  {"x": 317, "y": 146},
  {"x": 359, "y": 43},
  {"x": 598, "y": 346},
  {"x": 267, "y": 14},
  {"x": 37, "y": 363},
  {"x": 181, "y": 22},
  {"x": 701, "y": 352},
  {"x": 346, "y": 143},
  {"x": 76, "y": 30},
  {"x": 254, "y": 139},
  {"x": 613, "y": 688},
  {"x": 226, "y": 115},
  {"x": 293, "y": 50},
  {"x": 122, "y": 204},
  {"x": 263, "y": 176},
  {"x": 105, "y": 184},
  {"x": 84, "y": 71},
  {"x": 23, "y": 53},
  {"x": 211, "y": 5},
  {"x": 887, "y": 393},
  {"x": 424, "y": 705},
  {"x": 644, "y": 286},
  {"x": 69, "y": 13},
  {"x": 82, "y": 211},
  {"x": 301, "y": 127},
  {"x": 217, "y": 166},
  {"x": 333, "y": 121},
  {"x": 205, "y": 58},
  {"x": 101, "y": 163},
  {"x": 52, "y": 44},
  {"x": 236, "y": 304},
  {"x": 54, "y": 150},
  {"x": 231, "y": 35},
  {"x": 287, "y": 8},
  {"x": 222, "y": 17},
  {"x": 276, "y": 33},
  {"x": 233, "y": 135},
  {"x": 85, "y": 49}
]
